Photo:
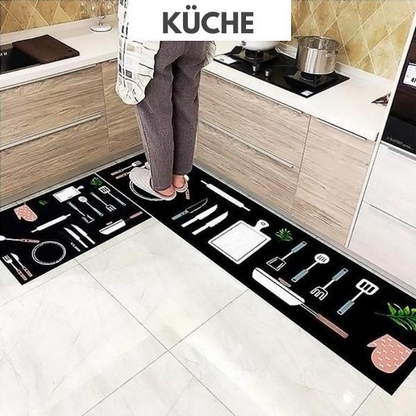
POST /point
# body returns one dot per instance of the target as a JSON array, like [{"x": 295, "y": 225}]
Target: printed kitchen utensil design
[
  {"x": 224, "y": 195},
  {"x": 83, "y": 233},
  {"x": 389, "y": 354},
  {"x": 322, "y": 292},
  {"x": 19, "y": 240},
  {"x": 51, "y": 223},
  {"x": 22, "y": 266},
  {"x": 84, "y": 200},
  {"x": 241, "y": 240},
  {"x": 24, "y": 212},
  {"x": 75, "y": 236},
  {"x": 115, "y": 226},
  {"x": 211, "y": 224},
  {"x": 278, "y": 263},
  {"x": 200, "y": 216},
  {"x": 107, "y": 191},
  {"x": 49, "y": 244},
  {"x": 365, "y": 287},
  {"x": 135, "y": 164},
  {"x": 108, "y": 207},
  {"x": 9, "y": 261},
  {"x": 85, "y": 217},
  {"x": 67, "y": 193},
  {"x": 292, "y": 299},
  {"x": 192, "y": 209},
  {"x": 319, "y": 259}
]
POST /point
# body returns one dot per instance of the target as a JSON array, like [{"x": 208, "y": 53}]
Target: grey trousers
[{"x": 168, "y": 115}]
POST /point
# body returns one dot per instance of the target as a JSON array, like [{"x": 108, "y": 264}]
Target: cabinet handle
[
  {"x": 341, "y": 129},
  {"x": 70, "y": 71},
  {"x": 401, "y": 152},
  {"x": 391, "y": 216},
  {"x": 51, "y": 131},
  {"x": 252, "y": 146},
  {"x": 290, "y": 108}
]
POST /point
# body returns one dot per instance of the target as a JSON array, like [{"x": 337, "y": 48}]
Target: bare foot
[
  {"x": 167, "y": 192},
  {"x": 178, "y": 181}
]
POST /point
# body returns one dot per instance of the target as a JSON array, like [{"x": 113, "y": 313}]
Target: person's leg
[
  {"x": 155, "y": 114},
  {"x": 186, "y": 78}
]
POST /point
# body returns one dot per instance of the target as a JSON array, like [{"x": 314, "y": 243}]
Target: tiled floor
[{"x": 146, "y": 325}]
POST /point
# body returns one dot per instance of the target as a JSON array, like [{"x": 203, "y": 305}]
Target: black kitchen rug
[
  {"x": 364, "y": 319},
  {"x": 51, "y": 229}
]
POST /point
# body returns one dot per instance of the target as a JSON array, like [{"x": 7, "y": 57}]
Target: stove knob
[
  {"x": 256, "y": 68},
  {"x": 268, "y": 72}
]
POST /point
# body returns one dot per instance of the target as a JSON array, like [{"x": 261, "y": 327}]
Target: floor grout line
[
  {"x": 365, "y": 399},
  {"x": 200, "y": 382},
  {"x": 126, "y": 382},
  {"x": 208, "y": 319},
  {"x": 130, "y": 313}
]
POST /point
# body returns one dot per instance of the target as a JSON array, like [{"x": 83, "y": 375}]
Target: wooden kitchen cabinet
[
  {"x": 39, "y": 163},
  {"x": 250, "y": 170},
  {"x": 258, "y": 121},
  {"x": 123, "y": 131},
  {"x": 332, "y": 176},
  {"x": 39, "y": 107}
]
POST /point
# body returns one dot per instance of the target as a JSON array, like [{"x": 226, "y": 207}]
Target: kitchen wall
[
  {"x": 26, "y": 14},
  {"x": 372, "y": 32}
]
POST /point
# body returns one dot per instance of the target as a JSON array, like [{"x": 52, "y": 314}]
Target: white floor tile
[
  {"x": 164, "y": 388},
  {"x": 402, "y": 403},
  {"x": 11, "y": 289},
  {"x": 258, "y": 362},
  {"x": 164, "y": 282},
  {"x": 65, "y": 346}
]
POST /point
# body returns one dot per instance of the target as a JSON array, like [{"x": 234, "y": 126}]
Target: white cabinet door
[
  {"x": 387, "y": 242},
  {"x": 392, "y": 186}
]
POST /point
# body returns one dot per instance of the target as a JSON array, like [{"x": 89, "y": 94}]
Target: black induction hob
[{"x": 280, "y": 70}]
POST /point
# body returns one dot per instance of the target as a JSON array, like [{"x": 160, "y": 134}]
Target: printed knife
[
  {"x": 191, "y": 209},
  {"x": 83, "y": 233},
  {"x": 200, "y": 216},
  {"x": 212, "y": 223},
  {"x": 75, "y": 236}
]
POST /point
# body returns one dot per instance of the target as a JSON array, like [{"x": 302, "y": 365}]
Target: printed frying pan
[{"x": 241, "y": 240}]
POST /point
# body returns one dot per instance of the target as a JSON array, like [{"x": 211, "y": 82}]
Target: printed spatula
[{"x": 319, "y": 259}]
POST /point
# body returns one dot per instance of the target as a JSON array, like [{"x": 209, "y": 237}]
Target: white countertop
[{"x": 347, "y": 105}]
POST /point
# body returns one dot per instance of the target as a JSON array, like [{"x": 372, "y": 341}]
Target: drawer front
[
  {"x": 46, "y": 105},
  {"x": 253, "y": 171},
  {"x": 123, "y": 129},
  {"x": 259, "y": 121},
  {"x": 392, "y": 184},
  {"x": 386, "y": 242},
  {"x": 28, "y": 167},
  {"x": 333, "y": 172}
]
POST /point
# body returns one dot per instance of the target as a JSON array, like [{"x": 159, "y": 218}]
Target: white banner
[{"x": 209, "y": 20}]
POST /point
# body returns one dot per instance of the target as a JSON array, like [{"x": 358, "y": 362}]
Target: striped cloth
[{"x": 136, "y": 60}]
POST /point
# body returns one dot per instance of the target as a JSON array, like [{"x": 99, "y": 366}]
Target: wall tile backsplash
[
  {"x": 372, "y": 32},
  {"x": 27, "y": 14}
]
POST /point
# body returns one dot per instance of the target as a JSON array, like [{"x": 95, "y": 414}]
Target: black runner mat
[
  {"x": 364, "y": 319},
  {"x": 36, "y": 253}
]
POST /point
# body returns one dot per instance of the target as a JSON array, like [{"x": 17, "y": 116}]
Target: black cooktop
[{"x": 280, "y": 70}]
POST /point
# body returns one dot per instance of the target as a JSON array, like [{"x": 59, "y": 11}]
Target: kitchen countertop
[{"x": 347, "y": 105}]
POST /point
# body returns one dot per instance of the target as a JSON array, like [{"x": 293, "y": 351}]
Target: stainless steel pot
[{"x": 317, "y": 55}]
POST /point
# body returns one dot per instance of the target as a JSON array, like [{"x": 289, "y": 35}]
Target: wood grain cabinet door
[
  {"x": 39, "y": 163},
  {"x": 270, "y": 126},
  {"x": 123, "y": 130},
  {"x": 254, "y": 172},
  {"x": 43, "y": 106},
  {"x": 332, "y": 176}
]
